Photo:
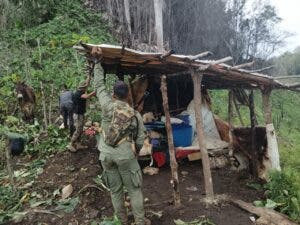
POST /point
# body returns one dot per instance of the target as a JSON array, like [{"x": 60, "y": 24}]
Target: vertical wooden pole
[
  {"x": 197, "y": 79},
  {"x": 44, "y": 105},
  {"x": 271, "y": 160},
  {"x": 230, "y": 118},
  {"x": 254, "y": 155},
  {"x": 238, "y": 111},
  {"x": 267, "y": 105},
  {"x": 159, "y": 24},
  {"x": 9, "y": 166},
  {"x": 174, "y": 165},
  {"x": 50, "y": 104}
]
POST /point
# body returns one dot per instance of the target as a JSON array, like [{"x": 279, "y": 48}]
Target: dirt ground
[{"x": 81, "y": 167}]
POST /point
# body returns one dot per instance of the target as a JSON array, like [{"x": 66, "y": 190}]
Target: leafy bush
[{"x": 283, "y": 194}]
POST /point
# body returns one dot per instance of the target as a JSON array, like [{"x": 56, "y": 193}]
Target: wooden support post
[
  {"x": 197, "y": 79},
  {"x": 230, "y": 118},
  {"x": 9, "y": 166},
  {"x": 271, "y": 160},
  {"x": 254, "y": 155},
  {"x": 44, "y": 105},
  {"x": 50, "y": 104},
  {"x": 238, "y": 111},
  {"x": 174, "y": 165}
]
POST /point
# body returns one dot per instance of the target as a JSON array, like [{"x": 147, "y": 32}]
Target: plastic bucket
[
  {"x": 185, "y": 118},
  {"x": 182, "y": 135}
]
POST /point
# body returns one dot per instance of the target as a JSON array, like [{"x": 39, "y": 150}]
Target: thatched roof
[{"x": 217, "y": 75}]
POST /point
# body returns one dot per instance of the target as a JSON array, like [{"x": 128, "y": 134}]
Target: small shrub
[{"x": 283, "y": 194}]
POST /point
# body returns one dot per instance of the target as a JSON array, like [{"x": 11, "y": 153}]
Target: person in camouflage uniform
[{"x": 120, "y": 165}]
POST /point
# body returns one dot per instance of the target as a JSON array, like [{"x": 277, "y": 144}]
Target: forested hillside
[{"x": 36, "y": 40}]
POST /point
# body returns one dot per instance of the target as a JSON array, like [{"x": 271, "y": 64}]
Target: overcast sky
[{"x": 289, "y": 11}]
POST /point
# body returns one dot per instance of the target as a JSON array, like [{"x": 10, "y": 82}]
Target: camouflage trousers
[
  {"x": 79, "y": 123},
  {"x": 118, "y": 174}
]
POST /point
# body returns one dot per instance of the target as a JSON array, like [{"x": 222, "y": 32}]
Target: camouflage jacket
[{"x": 124, "y": 150}]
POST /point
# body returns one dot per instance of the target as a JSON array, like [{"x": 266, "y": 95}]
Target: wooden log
[
  {"x": 198, "y": 56},
  {"x": 44, "y": 105},
  {"x": 238, "y": 111},
  {"x": 174, "y": 165},
  {"x": 50, "y": 104},
  {"x": 267, "y": 108},
  {"x": 271, "y": 161},
  {"x": 167, "y": 54},
  {"x": 197, "y": 79},
  {"x": 286, "y": 77},
  {"x": 223, "y": 60},
  {"x": 262, "y": 69},
  {"x": 230, "y": 118},
  {"x": 254, "y": 155},
  {"x": 244, "y": 65},
  {"x": 269, "y": 215}
]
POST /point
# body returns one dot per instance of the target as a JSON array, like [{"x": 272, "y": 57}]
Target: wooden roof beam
[
  {"x": 260, "y": 70},
  {"x": 244, "y": 65},
  {"x": 198, "y": 56},
  {"x": 223, "y": 60},
  {"x": 286, "y": 77}
]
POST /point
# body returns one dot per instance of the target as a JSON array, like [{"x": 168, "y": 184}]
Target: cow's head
[{"x": 21, "y": 90}]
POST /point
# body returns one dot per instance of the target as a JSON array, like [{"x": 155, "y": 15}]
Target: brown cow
[{"x": 26, "y": 99}]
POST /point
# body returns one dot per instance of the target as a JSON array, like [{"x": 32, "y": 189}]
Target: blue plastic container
[
  {"x": 184, "y": 118},
  {"x": 182, "y": 135}
]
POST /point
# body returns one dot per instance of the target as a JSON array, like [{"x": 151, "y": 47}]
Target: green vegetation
[
  {"x": 36, "y": 46},
  {"x": 283, "y": 189},
  {"x": 36, "y": 42},
  {"x": 283, "y": 195}
]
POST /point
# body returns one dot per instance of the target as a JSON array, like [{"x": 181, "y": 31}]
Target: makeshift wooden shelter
[{"x": 202, "y": 75}]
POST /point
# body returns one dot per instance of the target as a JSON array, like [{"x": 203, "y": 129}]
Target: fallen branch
[
  {"x": 43, "y": 211},
  {"x": 270, "y": 216},
  {"x": 44, "y": 105},
  {"x": 89, "y": 186}
]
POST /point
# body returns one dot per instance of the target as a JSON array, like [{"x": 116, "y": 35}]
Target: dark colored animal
[
  {"x": 26, "y": 99},
  {"x": 16, "y": 146}
]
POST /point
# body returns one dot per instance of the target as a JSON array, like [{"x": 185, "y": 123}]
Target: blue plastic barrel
[
  {"x": 182, "y": 135},
  {"x": 185, "y": 118}
]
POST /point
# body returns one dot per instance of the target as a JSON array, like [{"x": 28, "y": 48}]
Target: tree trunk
[
  {"x": 50, "y": 104},
  {"x": 44, "y": 105},
  {"x": 197, "y": 79},
  {"x": 159, "y": 24},
  {"x": 174, "y": 165},
  {"x": 254, "y": 155},
  {"x": 127, "y": 15},
  {"x": 230, "y": 118},
  {"x": 271, "y": 160}
]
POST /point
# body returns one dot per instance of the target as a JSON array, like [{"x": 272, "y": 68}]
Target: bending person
[{"x": 79, "y": 100}]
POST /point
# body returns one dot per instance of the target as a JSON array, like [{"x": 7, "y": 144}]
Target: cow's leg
[{"x": 71, "y": 122}]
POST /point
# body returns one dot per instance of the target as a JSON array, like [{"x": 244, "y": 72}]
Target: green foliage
[
  {"x": 36, "y": 39},
  {"x": 68, "y": 205},
  {"x": 42, "y": 50},
  {"x": 283, "y": 194}
]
